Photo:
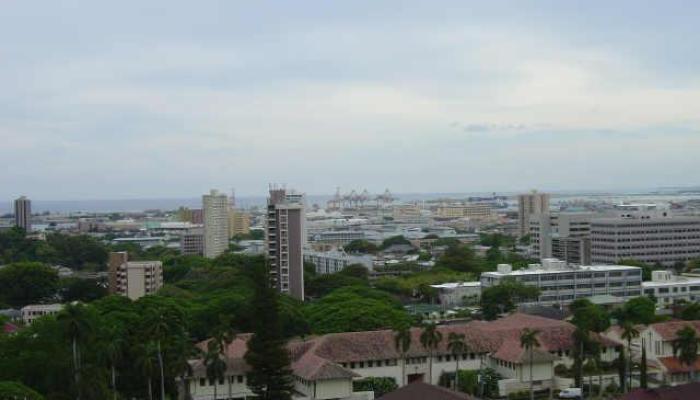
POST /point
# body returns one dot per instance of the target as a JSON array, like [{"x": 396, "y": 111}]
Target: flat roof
[
  {"x": 676, "y": 282},
  {"x": 454, "y": 285},
  {"x": 587, "y": 268}
]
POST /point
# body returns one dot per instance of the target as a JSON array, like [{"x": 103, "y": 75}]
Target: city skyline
[{"x": 411, "y": 96}]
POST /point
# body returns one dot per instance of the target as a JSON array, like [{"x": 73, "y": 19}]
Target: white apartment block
[
  {"x": 653, "y": 238},
  {"x": 215, "y": 208},
  {"x": 134, "y": 279},
  {"x": 330, "y": 262},
  {"x": 284, "y": 241},
  {"x": 33, "y": 311},
  {"x": 530, "y": 204},
  {"x": 562, "y": 284},
  {"x": 669, "y": 288}
]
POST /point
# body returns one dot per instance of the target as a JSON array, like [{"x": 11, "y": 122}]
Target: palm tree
[
  {"x": 402, "y": 342},
  {"x": 629, "y": 332},
  {"x": 214, "y": 364},
  {"x": 78, "y": 327},
  {"x": 158, "y": 331},
  {"x": 685, "y": 347},
  {"x": 528, "y": 341},
  {"x": 457, "y": 346},
  {"x": 147, "y": 363},
  {"x": 113, "y": 350},
  {"x": 184, "y": 352},
  {"x": 430, "y": 338}
]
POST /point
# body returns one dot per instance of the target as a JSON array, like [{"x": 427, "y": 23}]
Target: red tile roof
[
  {"x": 424, "y": 391},
  {"x": 682, "y": 392},
  {"x": 9, "y": 328},
  {"x": 511, "y": 351},
  {"x": 667, "y": 330},
  {"x": 674, "y": 366}
]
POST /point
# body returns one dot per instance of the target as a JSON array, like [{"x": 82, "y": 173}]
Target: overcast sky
[{"x": 136, "y": 99}]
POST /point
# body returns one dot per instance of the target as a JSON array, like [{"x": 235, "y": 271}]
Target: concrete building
[
  {"x": 669, "y": 288},
  {"x": 530, "y": 204},
  {"x": 565, "y": 236},
  {"x": 336, "y": 237},
  {"x": 284, "y": 241},
  {"x": 133, "y": 279},
  {"x": 472, "y": 211},
  {"x": 238, "y": 223},
  {"x": 324, "y": 366},
  {"x": 330, "y": 262},
  {"x": 216, "y": 220},
  {"x": 33, "y": 311},
  {"x": 23, "y": 213},
  {"x": 650, "y": 238},
  {"x": 562, "y": 284},
  {"x": 456, "y": 294},
  {"x": 192, "y": 242}
]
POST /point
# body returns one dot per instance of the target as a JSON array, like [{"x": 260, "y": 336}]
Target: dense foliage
[
  {"x": 503, "y": 298},
  {"x": 25, "y": 283}
]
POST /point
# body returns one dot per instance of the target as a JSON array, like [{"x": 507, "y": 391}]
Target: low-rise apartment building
[
  {"x": 134, "y": 279},
  {"x": 561, "y": 284},
  {"x": 330, "y": 262},
  {"x": 33, "y": 311},
  {"x": 476, "y": 211}
]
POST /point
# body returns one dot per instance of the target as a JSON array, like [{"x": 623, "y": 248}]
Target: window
[
  {"x": 240, "y": 378},
  {"x": 202, "y": 382}
]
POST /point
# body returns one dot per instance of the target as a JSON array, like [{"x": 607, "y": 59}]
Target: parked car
[{"x": 570, "y": 393}]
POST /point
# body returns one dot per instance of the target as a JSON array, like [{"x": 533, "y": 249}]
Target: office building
[
  {"x": 284, "y": 241},
  {"x": 216, "y": 220},
  {"x": 650, "y": 238},
  {"x": 133, "y": 279},
  {"x": 239, "y": 222},
  {"x": 471, "y": 211},
  {"x": 562, "y": 284},
  {"x": 31, "y": 312},
  {"x": 330, "y": 262},
  {"x": 530, "y": 204},
  {"x": 565, "y": 236},
  {"x": 192, "y": 242},
  {"x": 669, "y": 288},
  {"x": 23, "y": 213}
]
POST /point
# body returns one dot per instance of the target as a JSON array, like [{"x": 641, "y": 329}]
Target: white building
[
  {"x": 565, "y": 236},
  {"x": 330, "y": 262},
  {"x": 562, "y": 284},
  {"x": 33, "y": 311},
  {"x": 458, "y": 293},
  {"x": 216, "y": 219},
  {"x": 669, "y": 288}
]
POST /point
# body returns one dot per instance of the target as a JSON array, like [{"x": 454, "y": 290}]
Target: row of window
[{"x": 231, "y": 380}]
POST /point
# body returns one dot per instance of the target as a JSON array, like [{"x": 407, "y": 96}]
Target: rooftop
[{"x": 422, "y": 391}]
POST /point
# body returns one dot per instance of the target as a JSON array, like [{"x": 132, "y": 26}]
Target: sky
[{"x": 158, "y": 99}]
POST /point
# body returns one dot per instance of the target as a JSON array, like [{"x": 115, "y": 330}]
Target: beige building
[
  {"x": 658, "y": 339},
  {"x": 530, "y": 204},
  {"x": 565, "y": 236},
  {"x": 216, "y": 223},
  {"x": 284, "y": 241},
  {"x": 33, "y": 311},
  {"x": 238, "y": 223},
  {"x": 133, "y": 279},
  {"x": 471, "y": 211}
]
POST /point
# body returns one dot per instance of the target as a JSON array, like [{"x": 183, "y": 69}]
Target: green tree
[
  {"x": 638, "y": 310},
  {"x": 270, "y": 377},
  {"x": 16, "y": 390},
  {"x": 78, "y": 326},
  {"x": 85, "y": 290},
  {"x": 147, "y": 364},
  {"x": 622, "y": 368},
  {"x": 503, "y": 297},
  {"x": 528, "y": 341},
  {"x": 685, "y": 347},
  {"x": 402, "y": 342},
  {"x": 430, "y": 338},
  {"x": 380, "y": 386},
  {"x": 457, "y": 346},
  {"x": 214, "y": 364},
  {"x": 629, "y": 332},
  {"x": 27, "y": 283},
  {"x": 643, "y": 367},
  {"x": 394, "y": 240},
  {"x": 361, "y": 246},
  {"x": 461, "y": 258}
]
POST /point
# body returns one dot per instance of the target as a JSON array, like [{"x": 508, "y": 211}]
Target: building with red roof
[
  {"x": 658, "y": 339},
  {"x": 689, "y": 391}
]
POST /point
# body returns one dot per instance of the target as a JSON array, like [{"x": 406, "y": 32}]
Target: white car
[{"x": 570, "y": 393}]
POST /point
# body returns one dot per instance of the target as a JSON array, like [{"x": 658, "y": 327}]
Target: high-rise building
[
  {"x": 530, "y": 204},
  {"x": 192, "y": 242},
  {"x": 239, "y": 222},
  {"x": 648, "y": 237},
  {"x": 134, "y": 279},
  {"x": 284, "y": 241},
  {"x": 215, "y": 208},
  {"x": 23, "y": 213},
  {"x": 565, "y": 236}
]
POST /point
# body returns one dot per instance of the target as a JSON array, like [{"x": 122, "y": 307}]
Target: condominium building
[
  {"x": 23, "y": 213},
  {"x": 216, "y": 220},
  {"x": 472, "y": 211},
  {"x": 650, "y": 238},
  {"x": 562, "y": 284},
  {"x": 192, "y": 242},
  {"x": 33, "y": 311},
  {"x": 330, "y": 262},
  {"x": 669, "y": 288},
  {"x": 564, "y": 236},
  {"x": 530, "y": 204},
  {"x": 284, "y": 241},
  {"x": 133, "y": 279},
  {"x": 239, "y": 222}
]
